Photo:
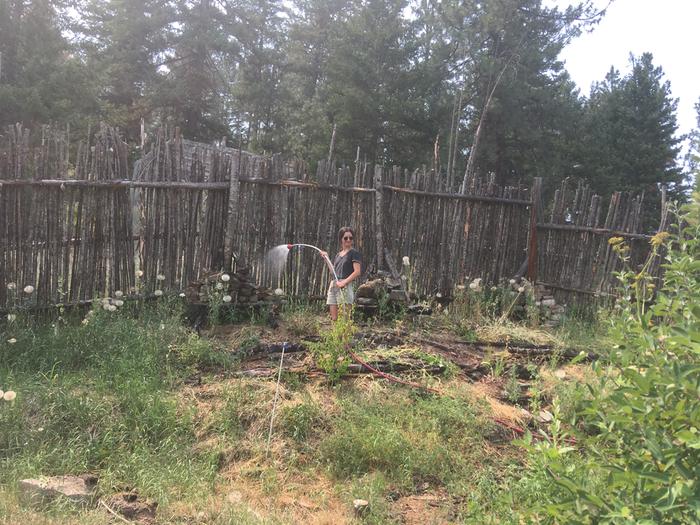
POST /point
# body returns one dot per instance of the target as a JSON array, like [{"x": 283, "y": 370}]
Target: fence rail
[{"x": 86, "y": 226}]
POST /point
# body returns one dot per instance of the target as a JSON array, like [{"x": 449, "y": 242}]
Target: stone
[
  {"x": 365, "y": 301},
  {"x": 398, "y": 296},
  {"x": 361, "y": 506},
  {"x": 370, "y": 289},
  {"x": 560, "y": 374},
  {"x": 545, "y": 416},
  {"x": 78, "y": 489},
  {"x": 548, "y": 302}
]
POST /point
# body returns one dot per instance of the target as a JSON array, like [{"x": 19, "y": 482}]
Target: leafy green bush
[
  {"x": 641, "y": 422},
  {"x": 331, "y": 352}
]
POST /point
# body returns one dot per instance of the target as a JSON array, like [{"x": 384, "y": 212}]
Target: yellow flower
[
  {"x": 614, "y": 241},
  {"x": 658, "y": 239}
]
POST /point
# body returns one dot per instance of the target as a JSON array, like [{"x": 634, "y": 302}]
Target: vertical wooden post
[
  {"x": 378, "y": 212},
  {"x": 532, "y": 241},
  {"x": 233, "y": 199}
]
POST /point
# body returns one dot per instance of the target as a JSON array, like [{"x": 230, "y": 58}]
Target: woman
[{"x": 348, "y": 267}]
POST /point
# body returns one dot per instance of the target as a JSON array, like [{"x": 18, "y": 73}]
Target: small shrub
[
  {"x": 331, "y": 352},
  {"x": 640, "y": 423}
]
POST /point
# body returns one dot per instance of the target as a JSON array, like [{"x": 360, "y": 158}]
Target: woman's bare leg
[{"x": 334, "y": 311}]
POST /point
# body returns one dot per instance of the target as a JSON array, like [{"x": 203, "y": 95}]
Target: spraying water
[{"x": 277, "y": 257}]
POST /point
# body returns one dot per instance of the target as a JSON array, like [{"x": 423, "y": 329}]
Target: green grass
[
  {"x": 101, "y": 397},
  {"x": 409, "y": 439},
  {"x": 110, "y": 397}
]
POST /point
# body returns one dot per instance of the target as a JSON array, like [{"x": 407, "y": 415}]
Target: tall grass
[{"x": 99, "y": 397}]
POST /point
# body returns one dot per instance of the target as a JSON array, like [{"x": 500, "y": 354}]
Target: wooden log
[{"x": 378, "y": 216}]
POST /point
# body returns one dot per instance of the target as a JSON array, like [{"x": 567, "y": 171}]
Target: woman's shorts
[{"x": 340, "y": 295}]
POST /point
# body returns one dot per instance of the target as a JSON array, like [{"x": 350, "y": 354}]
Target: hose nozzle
[{"x": 290, "y": 246}]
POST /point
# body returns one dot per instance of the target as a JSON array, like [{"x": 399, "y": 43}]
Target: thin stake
[{"x": 274, "y": 403}]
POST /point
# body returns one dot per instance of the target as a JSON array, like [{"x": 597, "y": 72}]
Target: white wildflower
[
  {"x": 119, "y": 302},
  {"x": 521, "y": 289},
  {"x": 106, "y": 301},
  {"x": 162, "y": 326},
  {"x": 112, "y": 307},
  {"x": 1, "y": 394},
  {"x": 219, "y": 286},
  {"x": 105, "y": 306},
  {"x": 406, "y": 261},
  {"x": 139, "y": 273},
  {"x": 461, "y": 287},
  {"x": 11, "y": 318},
  {"x": 118, "y": 294},
  {"x": 160, "y": 277},
  {"x": 279, "y": 291},
  {"x": 158, "y": 293},
  {"x": 226, "y": 298},
  {"x": 182, "y": 294},
  {"x": 12, "y": 341},
  {"x": 438, "y": 295},
  {"x": 494, "y": 288},
  {"x": 512, "y": 281},
  {"x": 29, "y": 289},
  {"x": 85, "y": 321},
  {"x": 225, "y": 277},
  {"x": 9, "y": 395},
  {"x": 11, "y": 286}
]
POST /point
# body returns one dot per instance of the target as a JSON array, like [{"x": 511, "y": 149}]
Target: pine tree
[
  {"x": 631, "y": 142},
  {"x": 41, "y": 80},
  {"x": 125, "y": 42}
]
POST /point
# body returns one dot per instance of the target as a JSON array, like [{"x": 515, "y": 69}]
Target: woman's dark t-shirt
[{"x": 343, "y": 263}]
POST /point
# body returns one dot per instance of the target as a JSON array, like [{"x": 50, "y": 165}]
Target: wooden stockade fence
[{"x": 82, "y": 221}]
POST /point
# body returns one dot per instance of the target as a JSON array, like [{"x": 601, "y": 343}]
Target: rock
[
  {"x": 365, "y": 301},
  {"x": 545, "y": 416},
  {"x": 361, "y": 506},
  {"x": 397, "y": 295},
  {"x": 560, "y": 374},
  {"x": 371, "y": 289},
  {"x": 548, "y": 302},
  {"x": 79, "y": 489}
]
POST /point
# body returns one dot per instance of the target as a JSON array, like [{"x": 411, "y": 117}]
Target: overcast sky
[{"x": 669, "y": 29}]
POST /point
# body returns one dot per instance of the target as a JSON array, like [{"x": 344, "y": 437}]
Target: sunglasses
[{"x": 347, "y": 238}]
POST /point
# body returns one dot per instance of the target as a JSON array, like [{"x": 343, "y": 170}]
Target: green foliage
[
  {"x": 642, "y": 418},
  {"x": 301, "y": 421},
  {"x": 407, "y": 440},
  {"x": 630, "y": 140},
  {"x": 331, "y": 352},
  {"x": 99, "y": 397}
]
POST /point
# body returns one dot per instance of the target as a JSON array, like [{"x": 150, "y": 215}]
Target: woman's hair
[{"x": 343, "y": 231}]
